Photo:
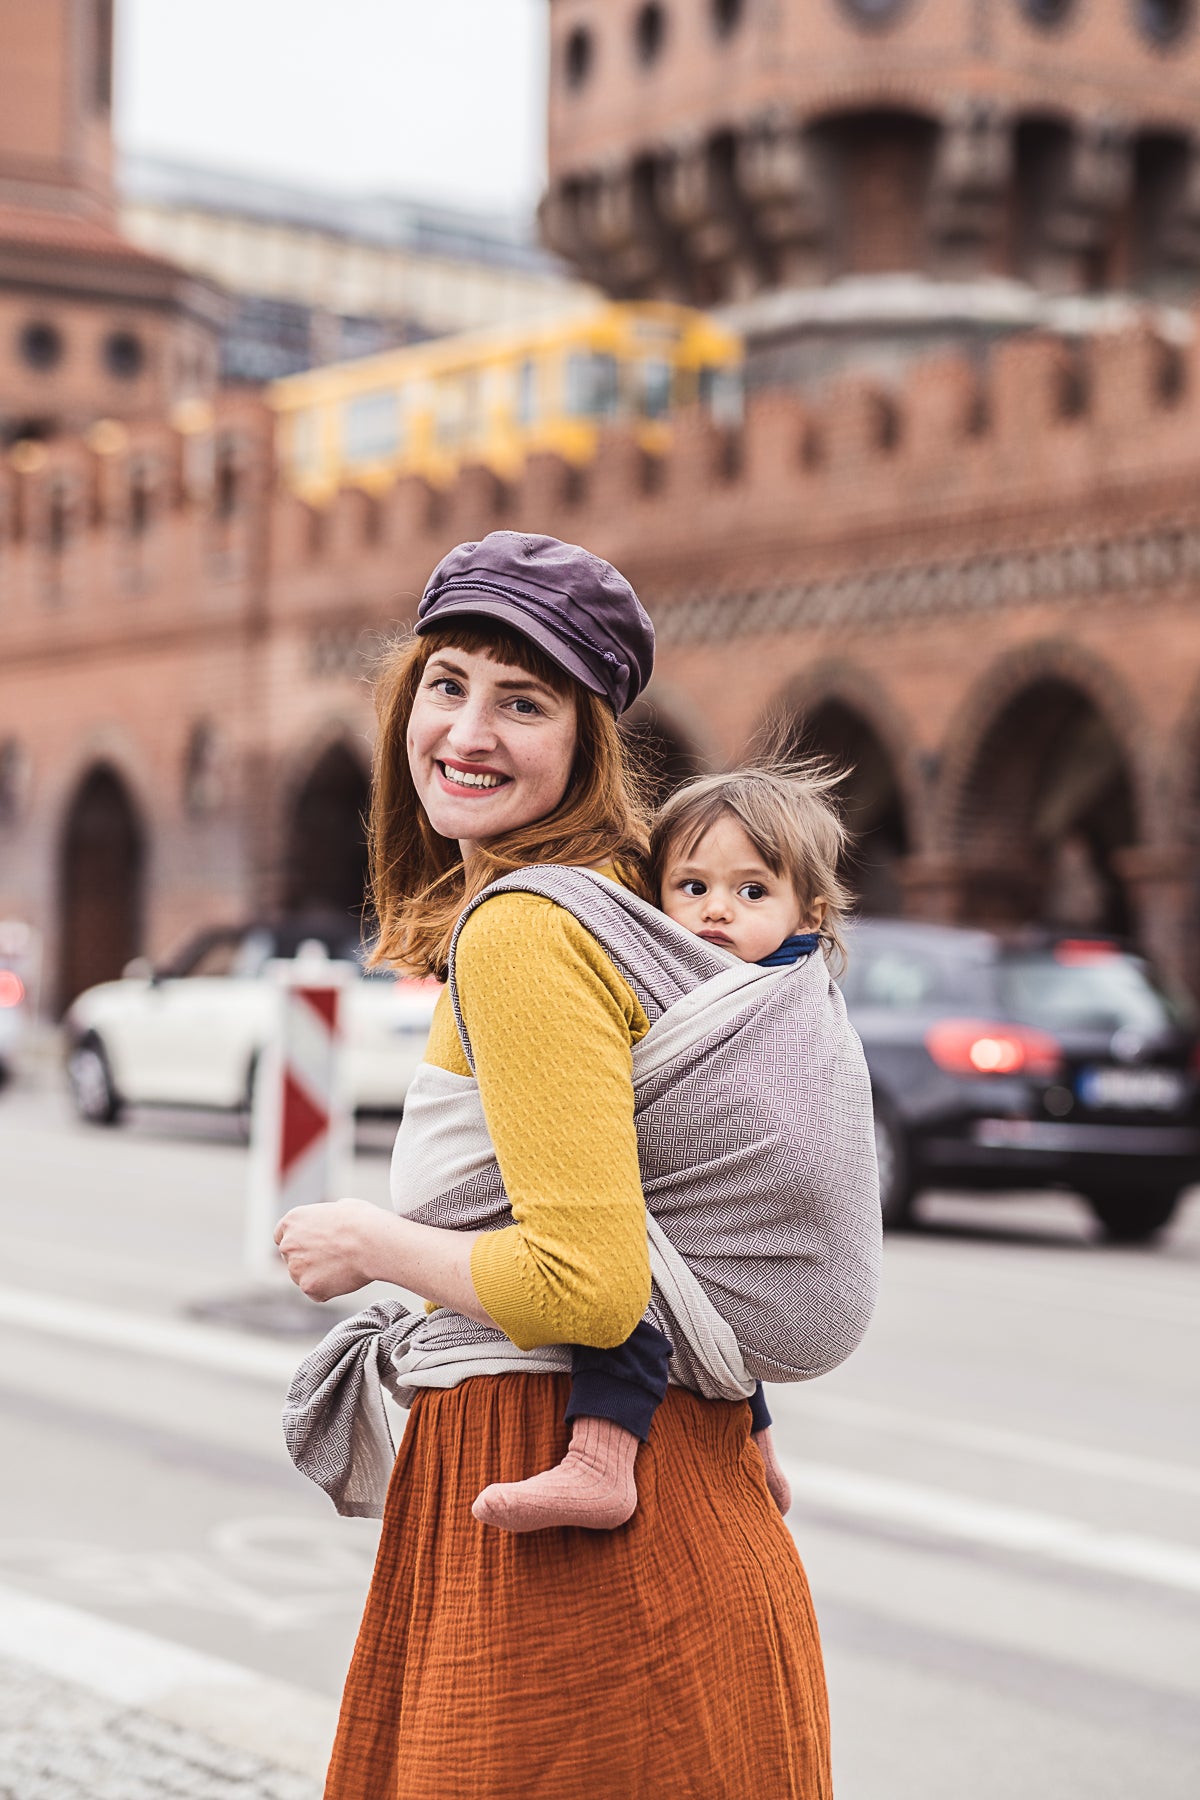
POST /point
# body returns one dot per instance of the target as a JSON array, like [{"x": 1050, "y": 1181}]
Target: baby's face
[{"x": 725, "y": 893}]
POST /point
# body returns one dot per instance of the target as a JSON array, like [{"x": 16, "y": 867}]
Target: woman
[{"x": 677, "y": 1656}]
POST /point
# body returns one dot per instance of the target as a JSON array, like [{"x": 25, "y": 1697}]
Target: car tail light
[
  {"x": 12, "y": 988},
  {"x": 982, "y": 1047},
  {"x": 1074, "y": 953}
]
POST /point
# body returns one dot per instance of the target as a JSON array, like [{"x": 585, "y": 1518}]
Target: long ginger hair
[{"x": 417, "y": 880}]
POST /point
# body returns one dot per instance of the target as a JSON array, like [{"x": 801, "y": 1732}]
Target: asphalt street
[{"x": 996, "y": 1499}]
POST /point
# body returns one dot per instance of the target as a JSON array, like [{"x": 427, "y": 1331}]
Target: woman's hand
[{"x": 330, "y": 1249}]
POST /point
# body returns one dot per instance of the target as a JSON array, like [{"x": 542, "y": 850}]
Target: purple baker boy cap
[{"x": 571, "y": 604}]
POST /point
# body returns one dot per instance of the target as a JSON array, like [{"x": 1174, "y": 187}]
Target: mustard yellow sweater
[{"x": 552, "y": 1026}]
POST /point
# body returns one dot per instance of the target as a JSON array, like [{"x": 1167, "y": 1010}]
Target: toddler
[{"x": 748, "y": 861}]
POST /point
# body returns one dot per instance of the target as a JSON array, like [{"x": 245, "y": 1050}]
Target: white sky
[{"x": 441, "y": 99}]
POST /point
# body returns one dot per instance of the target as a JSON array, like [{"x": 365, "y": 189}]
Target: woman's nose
[{"x": 471, "y": 730}]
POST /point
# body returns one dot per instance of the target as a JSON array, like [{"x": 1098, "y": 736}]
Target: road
[{"x": 996, "y": 1499}]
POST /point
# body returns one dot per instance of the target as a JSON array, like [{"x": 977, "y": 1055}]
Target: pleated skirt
[{"x": 676, "y": 1657}]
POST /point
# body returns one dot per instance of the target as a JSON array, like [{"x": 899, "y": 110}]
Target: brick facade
[
  {"x": 971, "y": 577},
  {"x": 989, "y": 606}
]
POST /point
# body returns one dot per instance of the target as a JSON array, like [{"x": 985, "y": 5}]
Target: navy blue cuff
[{"x": 760, "y": 1412}]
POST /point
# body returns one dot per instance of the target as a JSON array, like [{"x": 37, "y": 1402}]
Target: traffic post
[{"x": 300, "y": 1118}]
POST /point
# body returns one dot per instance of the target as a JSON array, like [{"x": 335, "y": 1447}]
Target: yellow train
[{"x": 494, "y": 397}]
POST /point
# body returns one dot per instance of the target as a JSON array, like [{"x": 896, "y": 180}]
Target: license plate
[{"x": 1134, "y": 1090}]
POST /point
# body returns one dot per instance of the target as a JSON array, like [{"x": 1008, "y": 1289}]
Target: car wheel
[
  {"x": 1133, "y": 1215},
  {"x": 896, "y": 1193},
  {"x": 96, "y": 1099}
]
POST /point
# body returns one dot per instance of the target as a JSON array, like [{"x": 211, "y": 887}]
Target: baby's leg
[
  {"x": 760, "y": 1428},
  {"x": 614, "y": 1396}
]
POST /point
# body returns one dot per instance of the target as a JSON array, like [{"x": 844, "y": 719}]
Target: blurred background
[{"x": 861, "y": 335}]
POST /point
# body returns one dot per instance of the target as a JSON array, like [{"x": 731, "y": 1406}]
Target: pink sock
[
  {"x": 777, "y": 1481},
  {"x": 592, "y": 1486}
]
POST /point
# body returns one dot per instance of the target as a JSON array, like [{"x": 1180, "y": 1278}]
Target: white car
[{"x": 191, "y": 1033}]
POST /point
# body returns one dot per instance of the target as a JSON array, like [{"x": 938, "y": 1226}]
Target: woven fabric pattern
[
  {"x": 756, "y": 1151},
  {"x": 678, "y": 1656},
  {"x": 756, "y": 1142}
]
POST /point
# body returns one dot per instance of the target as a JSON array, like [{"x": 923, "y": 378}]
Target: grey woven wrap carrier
[{"x": 756, "y": 1145}]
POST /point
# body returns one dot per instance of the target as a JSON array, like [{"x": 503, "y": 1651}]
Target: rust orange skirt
[{"x": 677, "y": 1657}]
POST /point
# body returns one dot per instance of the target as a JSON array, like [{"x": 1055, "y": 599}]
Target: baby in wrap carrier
[{"x": 747, "y": 861}]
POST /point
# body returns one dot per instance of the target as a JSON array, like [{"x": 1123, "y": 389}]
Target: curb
[{"x": 285, "y": 1726}]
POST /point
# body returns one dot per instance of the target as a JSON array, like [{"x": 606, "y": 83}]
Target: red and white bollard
[{"x": 300, "y": 1133}]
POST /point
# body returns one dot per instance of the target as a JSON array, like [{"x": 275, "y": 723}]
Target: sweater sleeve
[{"x": 552, "y": 1027}]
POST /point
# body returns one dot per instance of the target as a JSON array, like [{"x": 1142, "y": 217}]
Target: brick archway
[
  {"x": 664, "y": 753},
  {"x": 1047, "y": 793},
  {"x": 324, "y": 860},
  {"x": 101, "y": 881},
  {"x": 839, "y": 714}
]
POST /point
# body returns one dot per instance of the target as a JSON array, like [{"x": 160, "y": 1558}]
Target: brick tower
[
  {"x": 895, "y": 172},
  {"x": 90, "y": 327}
]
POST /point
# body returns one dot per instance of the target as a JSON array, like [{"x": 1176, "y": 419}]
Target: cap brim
[{"x": 487, "y": 606}]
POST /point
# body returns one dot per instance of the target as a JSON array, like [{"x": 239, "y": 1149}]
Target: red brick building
[{"x": 959, "y": 550}]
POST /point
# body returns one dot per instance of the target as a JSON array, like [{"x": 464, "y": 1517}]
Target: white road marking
[
  {"x": 233, "y": 1705},
  {"x": 202, "y": 1346},
  {"x": 941, "y": 1514},
  {"x": 989, "y": 1440},
  {"x": 274, "y": 1573},
  {"x": 882, "y": 1501}
]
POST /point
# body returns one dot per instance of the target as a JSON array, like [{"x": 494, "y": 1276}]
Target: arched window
[
  {"x": 650, "y": 33},
  {"x": 578, "y": 56}
]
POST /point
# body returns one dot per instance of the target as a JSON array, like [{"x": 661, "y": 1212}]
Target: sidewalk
[{"x": 90, "y": 1710}]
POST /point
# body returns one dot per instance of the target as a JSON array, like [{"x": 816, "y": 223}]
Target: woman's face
[{"x": 490, "y": 746}]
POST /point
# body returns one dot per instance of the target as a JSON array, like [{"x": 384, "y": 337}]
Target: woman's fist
[{"x": 327, "y": 1248}]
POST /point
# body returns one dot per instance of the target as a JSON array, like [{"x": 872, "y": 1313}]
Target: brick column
[
  {"x": 932, "y": 886},
  {"x": 1160, "y": 880}
]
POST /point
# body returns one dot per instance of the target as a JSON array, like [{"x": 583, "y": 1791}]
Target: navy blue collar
[{"x": 791, "y": 950}]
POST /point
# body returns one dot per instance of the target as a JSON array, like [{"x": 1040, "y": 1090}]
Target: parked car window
[
  {"x": 1068, "y": 990},
  {"x": 902, "y": 976},
  {"x": 253, "y": 952},
  {"x": 217, "y": 958}
]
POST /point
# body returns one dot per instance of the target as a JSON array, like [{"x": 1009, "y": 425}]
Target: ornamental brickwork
[
  {"x": 966, "y": 567},
  {"x": 988, "y": 607}
]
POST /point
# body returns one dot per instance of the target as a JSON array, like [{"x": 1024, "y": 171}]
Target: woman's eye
[
  {"x": 753, "y": 890},
  {"x": 693, "y": 889},
  {"x": 528, "y": 709},
  {"x": 446, "y": 684}
]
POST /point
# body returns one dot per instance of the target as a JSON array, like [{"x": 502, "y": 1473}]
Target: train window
[
  {"x": 304, "y": 443},
  {"x": 591, "y": 385},
  {"x": 655, "y": 397},
  {"x": 458, "y": 413},
  {"x": 721, "y": 392},
  {"x": 371, "y": 427},
  {"x": 527, "y": 394}
]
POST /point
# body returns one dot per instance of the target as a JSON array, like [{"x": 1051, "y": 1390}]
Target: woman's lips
[{"x": 480, "y": 778}]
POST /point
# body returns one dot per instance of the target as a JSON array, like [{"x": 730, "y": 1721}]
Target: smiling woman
[{"x": 491, "y": 1654}]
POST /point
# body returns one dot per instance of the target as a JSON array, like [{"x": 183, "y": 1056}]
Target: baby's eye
[
  {"x": 693, "y": 889},
  {"x": 752, "y": 890}
]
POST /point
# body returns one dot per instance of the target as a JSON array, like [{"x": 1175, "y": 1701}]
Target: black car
[{"x": 1038, "y": 1060}]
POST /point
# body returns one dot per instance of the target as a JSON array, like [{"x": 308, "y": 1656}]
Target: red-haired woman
[{"x": 679, "y": 1655}]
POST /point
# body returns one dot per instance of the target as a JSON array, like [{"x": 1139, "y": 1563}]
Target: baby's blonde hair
[{"x": 785, "y": 809}]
